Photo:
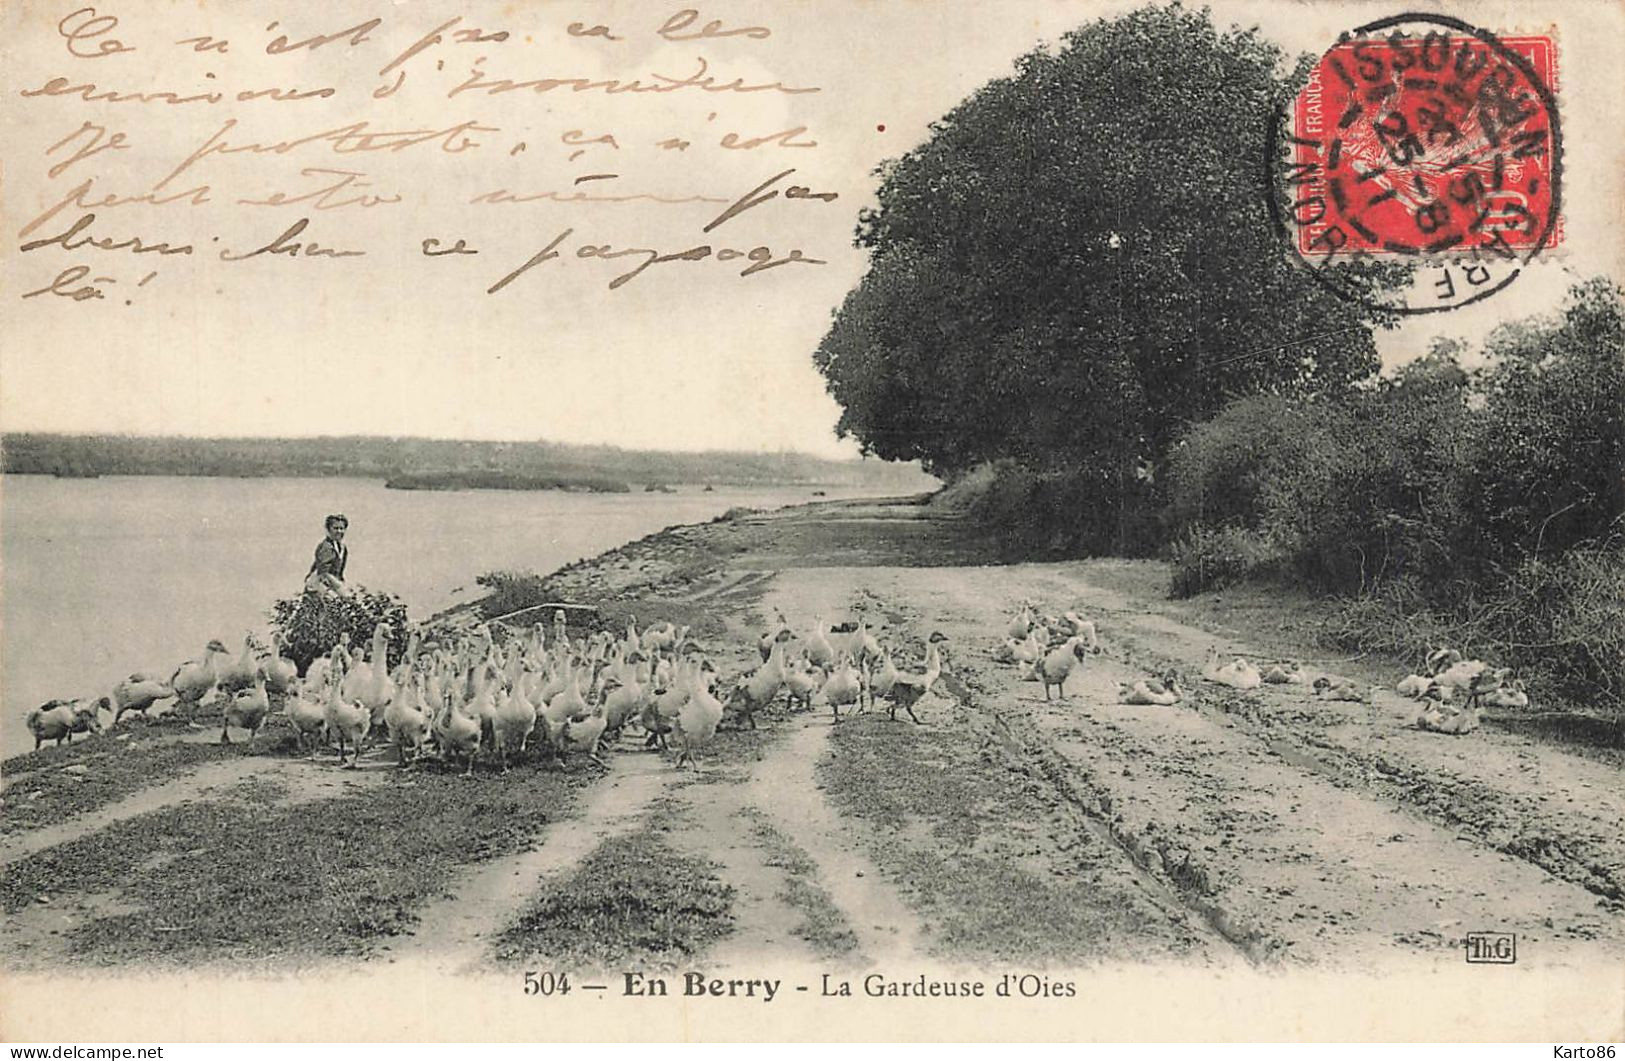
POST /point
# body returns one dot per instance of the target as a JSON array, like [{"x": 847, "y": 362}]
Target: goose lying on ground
[
  {"x": 1238, "y": 673},
  {"x": 1285, "y": 674},
  {"x": 1511, "y": 695},
  {"x": 1436, "y": 716},
  {"x": 1164, "y": 691},
  {"x": 1029, "y": 649},
  {"x": 1414, "y": 686},
  {"x": 1341, "y": 689}
]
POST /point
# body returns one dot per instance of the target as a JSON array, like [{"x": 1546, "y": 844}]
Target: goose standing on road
[{"x": 1058, "y": 664}]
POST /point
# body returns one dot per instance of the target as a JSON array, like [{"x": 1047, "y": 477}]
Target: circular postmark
[{"x": 1421, "y": 141}]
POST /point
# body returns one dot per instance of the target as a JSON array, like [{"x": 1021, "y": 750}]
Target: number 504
[{"x": 547, "y": 984}]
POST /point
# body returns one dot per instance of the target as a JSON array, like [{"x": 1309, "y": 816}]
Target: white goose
[
  {"x": 407, "y": 722},
  {"x": 280, "y": 671},
  {"x": 196, "y": 678},
  {"x": 138, "y": 693},
  {"x": 1164, "y": 692},
  {"x": 1238, "y": 673}
]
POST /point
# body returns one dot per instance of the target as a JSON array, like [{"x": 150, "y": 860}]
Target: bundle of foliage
[
  {"x": 1079, "y": 263},
  {"x": 1030, "y": 513},
  {"x": 1343, "y": 494},
  {"x": 312, "y": 623}
]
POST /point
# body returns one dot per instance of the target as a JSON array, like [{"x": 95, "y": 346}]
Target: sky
[{"x": 686, "y": 355}]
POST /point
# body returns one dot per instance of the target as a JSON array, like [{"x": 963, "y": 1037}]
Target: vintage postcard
[{"x": 868, "y": 519}]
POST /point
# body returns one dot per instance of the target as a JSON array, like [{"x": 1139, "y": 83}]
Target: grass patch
[
  {"x": 113, "y": 771},
  {"x": 957, "y": 831},
  {"x": 892, "y": 774},
  {"x": 822, "y": 924},
  {"x": 982, "y": 909},
  {"x": 116, "y": 768},
  {"x": 166, "y": 726},
  {"x": 634, "y": 899},
  {"x": 512, "y": 591},
  {"x": 239, "y": 878}
]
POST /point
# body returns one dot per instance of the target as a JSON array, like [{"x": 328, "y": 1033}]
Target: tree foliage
[
  {"x": 1547, "y": 467},
  {"x": 1079, "y": 263}
]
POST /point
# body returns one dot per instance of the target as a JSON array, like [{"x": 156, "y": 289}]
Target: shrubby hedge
[
  {"x": 511, "y": 591},
  {"x": 1480, "y": 508}
]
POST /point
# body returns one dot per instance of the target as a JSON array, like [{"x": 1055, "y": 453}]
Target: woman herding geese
[{"x": 326, "y": 573}]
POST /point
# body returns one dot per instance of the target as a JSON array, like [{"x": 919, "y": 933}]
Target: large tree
[{"x": 1079, "y": 263}]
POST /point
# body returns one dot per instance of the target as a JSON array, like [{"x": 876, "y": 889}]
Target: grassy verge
[
  {"x": 53, "y": 794},
  {"x": 966, "y": 834},
  {"x": 166, "y": 726},
  {"x": 241, "y": 878},
  {"x": 822, "y": 924},
  {"x": 633, "y": 900}
]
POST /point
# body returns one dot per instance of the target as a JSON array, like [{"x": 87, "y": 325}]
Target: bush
[
  {"x": 511, "y": 591},
  {"x": 1346, "y": 494},
  {"x": 1208, "y": 559},
  {"x": 1560, "y": 624},
  {"x": 1436, "y": 475},
  {"x": 1544, "y": 470},
  {"x": 312, "y": 623},
  {"x": 1053, "y": 514}
]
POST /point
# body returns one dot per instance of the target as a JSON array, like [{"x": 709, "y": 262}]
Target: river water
[{"x": 102, "y": 577}]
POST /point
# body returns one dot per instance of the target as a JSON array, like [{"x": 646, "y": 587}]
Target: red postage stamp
[{"x": 1426, "y": 140}]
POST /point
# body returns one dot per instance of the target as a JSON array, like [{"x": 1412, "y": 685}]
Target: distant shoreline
[
  {"x": 419, "y": 463},
  {"x": 503, "y": 481},
  {"x": 450, "y": 481}
]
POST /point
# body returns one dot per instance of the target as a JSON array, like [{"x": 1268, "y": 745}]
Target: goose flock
[
  {"x": 1448, "y": 675},
  {"x": 1478, "y": 684},
  {"x": 505, "y": 695},
  {"x": 1049, "y": 649},
  {"x": 846, "y": 666}
]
